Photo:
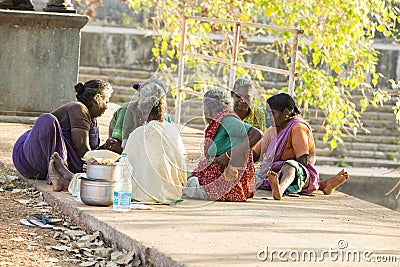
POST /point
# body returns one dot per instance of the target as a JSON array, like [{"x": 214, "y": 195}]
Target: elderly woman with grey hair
[
  {"x": 127, "y": 118},
  {"x": 227, "y": 173},
  {"x": 243, "y": 94},
  {"x": 156, "y": 153}
]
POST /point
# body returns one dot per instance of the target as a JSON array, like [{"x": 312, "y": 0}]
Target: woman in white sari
[{"x": 155, "y": 151}]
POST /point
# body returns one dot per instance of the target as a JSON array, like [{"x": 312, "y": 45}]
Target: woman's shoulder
[
  {"x": 231, "y": 119},
  {"x": 269, "y": 133},
  {"x": 77, "y": 104},
  {"x": 76, "y": 109},
  {"x": 301, "y": 126},
  {"x": 73, "y": 105},
  {"x": 231, "y": 122}
]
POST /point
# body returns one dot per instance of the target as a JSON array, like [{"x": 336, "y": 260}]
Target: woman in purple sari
[
  {"x": 289, "y": 151},
  {"x": 66, "y": 133}
]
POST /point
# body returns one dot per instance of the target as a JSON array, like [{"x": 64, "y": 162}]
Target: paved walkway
[
  {"x": 331, "y": 230},
  {"x": 201, "y": 233}
]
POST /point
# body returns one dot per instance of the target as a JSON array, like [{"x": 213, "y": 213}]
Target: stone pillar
[{"x": 39, "y": 55}]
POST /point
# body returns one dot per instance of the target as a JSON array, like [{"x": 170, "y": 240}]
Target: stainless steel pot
[
  {"x": 104, "y": 172},
  {"x": 96, "y": 192}
]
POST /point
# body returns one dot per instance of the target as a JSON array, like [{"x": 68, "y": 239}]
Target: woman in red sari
[{"x": 227, "y": 173}]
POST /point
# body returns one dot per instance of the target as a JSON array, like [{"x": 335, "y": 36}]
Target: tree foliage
[{"x": 336, "y": 55}]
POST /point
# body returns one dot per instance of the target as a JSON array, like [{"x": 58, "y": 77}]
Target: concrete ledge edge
[
  {"x": 42, "y": 20},
  {"x": 18, "y": 119},
  {"x": 147, "y": 255}
]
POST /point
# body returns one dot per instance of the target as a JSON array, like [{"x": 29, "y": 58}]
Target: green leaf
[
  {"x": 333, "y": 144},
  {"x": 316, "y": 58},
  {"x": 364, "y": 104},
  {"x": 268, "y": 11},
  {"x": 381, "y": 28},
  {"x": 164, "y": 47},
  {"x": 387, "y": 33},
  {"x": 171, "y": 53},
  {"x": 155, "y": 51},
  {"x": 325, "y": 138}
]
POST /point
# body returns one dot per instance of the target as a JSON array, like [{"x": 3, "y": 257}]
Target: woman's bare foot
[
  {"x": 273, "y": 181},
  {"x": 60, "y": 167},
  {"x": 58, "y": 182},
  {"x": 334, "y": 182}
]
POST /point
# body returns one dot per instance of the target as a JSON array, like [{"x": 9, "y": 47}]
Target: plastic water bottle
[{"x": 123, "y": 186}]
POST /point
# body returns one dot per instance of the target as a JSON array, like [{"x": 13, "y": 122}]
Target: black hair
[
  {"x": 85, "y": 93},
  {"x": 283, "y": 101},
  {"x": 137, "y": 86},
  {"x": 157, "y": 111}
]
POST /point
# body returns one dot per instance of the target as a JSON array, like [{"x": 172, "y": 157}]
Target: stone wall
[{"x": 113, "y": 47}]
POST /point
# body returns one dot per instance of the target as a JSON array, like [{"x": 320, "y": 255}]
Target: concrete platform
[
  {"x": 202, "y": 233},
  {"x": 329, "y": 230}
]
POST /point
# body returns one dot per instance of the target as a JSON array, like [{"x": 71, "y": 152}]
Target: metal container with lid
[{"x": 103, "y": 172}]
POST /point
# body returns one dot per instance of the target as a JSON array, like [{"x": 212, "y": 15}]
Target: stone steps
[
  {"x": 361, "y": 154},
  {"x": 114, "y": 80},
  {"x": 369, "y": 115},
  {"x": 365, "y": 138},
  {"x": 387, "y": 148},
  {"x": 111, "y": 72},
  {"x": 357, "y": 162},
  {"x": 370, "y": 120}
]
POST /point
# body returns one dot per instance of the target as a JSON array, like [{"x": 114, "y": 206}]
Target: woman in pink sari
[
  {"x": 289, "y": 151},
  {"x": 227, "y": 173}
]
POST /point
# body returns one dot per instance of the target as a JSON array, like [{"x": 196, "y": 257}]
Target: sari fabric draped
[
  {"x": 275, "y": 150},
  {"x": 257, "y": 118},
  {"x": 156, "y": 155},
  {"x": 211, "y": 176},
  {"x": 32, "y": 151}
]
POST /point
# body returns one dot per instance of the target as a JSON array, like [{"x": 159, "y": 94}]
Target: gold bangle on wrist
[{"x": 227, "y": 155}]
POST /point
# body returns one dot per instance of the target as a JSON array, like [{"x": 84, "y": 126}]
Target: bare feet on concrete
[
  {"x": 328, "y": 186},
  {"x": 273, "y": 181},
  {"x": 58, "y": 182},
  {"x": 59, "y": 174},
  {"x": 59, "y": 164}
]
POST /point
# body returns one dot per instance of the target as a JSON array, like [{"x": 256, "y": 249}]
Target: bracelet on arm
[{"x": 227, "y": 155}]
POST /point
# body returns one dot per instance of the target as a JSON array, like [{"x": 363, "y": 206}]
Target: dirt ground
[
  {"x": 66, "y": 244},
  {"x": 23, "y": 245}
]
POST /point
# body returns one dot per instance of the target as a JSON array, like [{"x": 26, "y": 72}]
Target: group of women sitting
[{"x": 238, "y": 134}]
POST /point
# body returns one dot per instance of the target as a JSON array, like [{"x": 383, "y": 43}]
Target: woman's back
[
  {"x": 158, "y": 164},
  {"x": 73, "y": 115}
]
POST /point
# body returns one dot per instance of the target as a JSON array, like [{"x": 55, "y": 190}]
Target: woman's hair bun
[
  {"x": 79, "y": 88},
  {"x": 137, "y": 86}
]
